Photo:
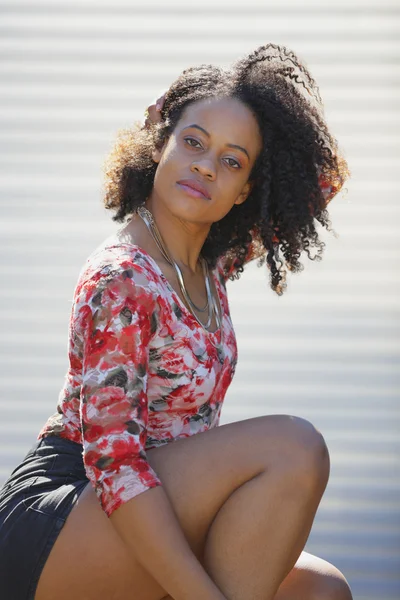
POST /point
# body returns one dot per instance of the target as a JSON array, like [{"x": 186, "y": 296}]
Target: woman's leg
[
  {"x": 276, "y": 462},
  {"x": 313, "y": 578},
  {"x": 260, "y": 531}
]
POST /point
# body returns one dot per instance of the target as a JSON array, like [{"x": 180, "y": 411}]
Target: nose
[{"x": 205, "y": 167}]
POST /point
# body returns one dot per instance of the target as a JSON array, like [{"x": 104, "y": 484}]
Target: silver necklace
[
  {"x": 148, "y": 219},
  {"x": 151, "y": 225}
]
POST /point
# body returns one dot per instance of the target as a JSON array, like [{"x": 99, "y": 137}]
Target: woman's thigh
[{"x": 198, "y": 473}]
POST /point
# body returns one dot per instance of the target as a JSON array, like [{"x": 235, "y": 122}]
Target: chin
[{"x": 187, "y": 208}]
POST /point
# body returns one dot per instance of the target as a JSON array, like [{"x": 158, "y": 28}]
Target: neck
[{"x": 183, "y": 242}]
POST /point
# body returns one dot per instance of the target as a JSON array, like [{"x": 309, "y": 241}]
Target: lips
[{"x": 195, "y": 185}]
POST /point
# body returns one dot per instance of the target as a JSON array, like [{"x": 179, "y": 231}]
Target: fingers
[
  {"x": 160, "y": 101},
  {"x": 154, "y": 111},
  {"x": 157, "y": 107},
  {"x": 154, "y": 114}
]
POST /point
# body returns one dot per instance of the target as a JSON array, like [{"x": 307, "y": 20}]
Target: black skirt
[{"x": 35, "y": 502}]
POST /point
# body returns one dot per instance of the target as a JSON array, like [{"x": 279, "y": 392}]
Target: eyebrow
[{"x": 208, "y": 135}]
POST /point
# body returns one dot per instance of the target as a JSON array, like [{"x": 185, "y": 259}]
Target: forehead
[{"x": 227, "y": 119}]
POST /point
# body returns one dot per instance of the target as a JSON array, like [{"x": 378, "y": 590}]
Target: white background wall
[{"x": 71, "y": 74}]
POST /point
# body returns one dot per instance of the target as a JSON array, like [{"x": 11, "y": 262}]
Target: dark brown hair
[{"x": 297, "y": 173}]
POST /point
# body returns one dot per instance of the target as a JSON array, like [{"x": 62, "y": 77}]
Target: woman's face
[{"x": 216, "y": 143}]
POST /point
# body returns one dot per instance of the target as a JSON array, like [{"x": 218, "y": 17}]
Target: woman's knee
[
  {"x": 313, "y": 578},
  {"x": 305, "y": 453},
  {"x": 332, "y": 587}
]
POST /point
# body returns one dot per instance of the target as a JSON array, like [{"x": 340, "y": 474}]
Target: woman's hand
[{"x": 153, "y": 113}]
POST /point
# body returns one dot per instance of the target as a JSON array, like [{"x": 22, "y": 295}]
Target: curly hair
[{"x": 297, "y": 173}]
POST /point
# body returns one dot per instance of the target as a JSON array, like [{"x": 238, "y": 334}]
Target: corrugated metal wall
[{"x": 328, "y": 350}]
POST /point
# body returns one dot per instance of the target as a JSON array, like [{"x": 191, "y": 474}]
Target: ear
[
  {"x": 244, "y": 193},
  {"x": 157, "y": 153}
]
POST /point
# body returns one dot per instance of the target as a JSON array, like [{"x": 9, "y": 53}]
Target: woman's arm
[
  {"x": 115, "y": 318},
  {"x": 151, "y": 531}
]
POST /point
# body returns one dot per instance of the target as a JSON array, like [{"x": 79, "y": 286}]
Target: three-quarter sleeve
[{"x": 117, "y": 320}]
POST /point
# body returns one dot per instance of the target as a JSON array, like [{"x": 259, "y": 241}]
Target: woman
[{"x": 118, "y": 498}]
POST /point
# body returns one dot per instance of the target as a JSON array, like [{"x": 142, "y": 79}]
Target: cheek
[
  {"x": 170, "y": 161},
  {"x": 170, "y": 168},
  {"x": 171, "y": 151}
]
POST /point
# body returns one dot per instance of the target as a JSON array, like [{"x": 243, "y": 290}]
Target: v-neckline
[{"x": 176, "y": 296}]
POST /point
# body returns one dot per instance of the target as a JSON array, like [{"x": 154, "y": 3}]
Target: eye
[
  {"x": 239, "y": 166},
  {"x": 193, "y": 140},
  {"x": 190, "y": 139}
]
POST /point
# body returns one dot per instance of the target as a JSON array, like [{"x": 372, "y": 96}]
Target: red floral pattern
[{"x": 142, "y": 372}]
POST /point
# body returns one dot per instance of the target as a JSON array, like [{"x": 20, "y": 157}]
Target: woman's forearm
[{"x": 149, "y": 527}]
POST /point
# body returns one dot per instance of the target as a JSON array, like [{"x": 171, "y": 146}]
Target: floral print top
[{"x": 142, "y": 371}]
